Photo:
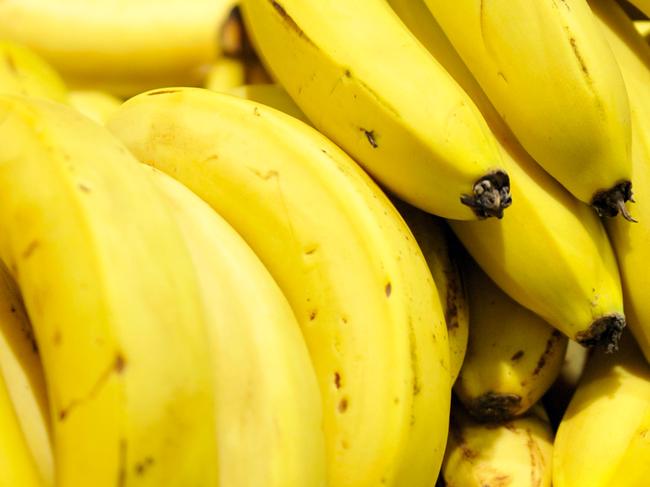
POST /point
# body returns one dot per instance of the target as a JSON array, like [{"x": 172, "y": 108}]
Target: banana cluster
[{"x": 387, "y": 243}]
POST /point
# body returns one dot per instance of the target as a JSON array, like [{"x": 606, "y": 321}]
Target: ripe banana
[
  {"x": 572, "y": 281},
  {"x": 517, "y": 453},
  {"x": 632, "y": 242},
  {"x": 94, "y": 104},
  {"x": 513, "y": 356},
  {"x": 547, "y": 69},
  {"x": 365, "y": 82},
  {"x": 22, "y": 72},
  {"x": 346, "y": 261},
  {"x": 113, "y": 299},
  {"x": 17, "y": 465},
  {"x": 226, "y": 73},
  {"x": 21, "y": 370},
  {"x": 432, "y": 235},
  {"x": 267, "y": 399},
  {"x": 117, "y": 46},
  {"x": 604, "y": 437}
]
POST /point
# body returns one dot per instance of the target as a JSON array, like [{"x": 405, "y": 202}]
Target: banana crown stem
[{"x": 491, "y": 195}]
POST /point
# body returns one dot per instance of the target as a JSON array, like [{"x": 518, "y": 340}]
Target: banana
[
  {"x": 547, "y": 69},
  {"x": 267, "y": 398},
  {"x": 603, "y": 439},
  {"x": 364, "y": 81},
  {"x": 513, "y": 356},
  {"x": 517, "y": 453},
  {"x": 96, "y": 105},
  {"x": 17, "y": 466},
  {"x": 113, "y": 298},
  {"x": 118, "y": 46},
  {"x": 21, "y": 370},
  {"x": 226, "y": 73},
  {"x": 643, "y": 5},
  {"x": 432, "y": 235},
  {"x": 271, "y": 95},
  {"x": 631, "y": 244},
  {"x": 22, "y": 72},
  {"x": 342, "y": 255},
  {"x": 572, "y": 281}
]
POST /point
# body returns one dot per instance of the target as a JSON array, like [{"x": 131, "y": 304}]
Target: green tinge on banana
[
  {"x": 365, "y": 82},
  {"x": 572, "y": 281},
  {"x": 432, "y": 235},
  {"x": 547, "y": 69},
  {"x": 513, "y": 356},
  {"x": 20, "y": 365},
  {"x": 514, "y": 453},
  {"x": 632, "y": 243},
  {"x": 346, "y": 261},
  {"x": 604, "y": 437},
  {"x": 113, "y": 299},
  {"x": 268, "y": 408}
]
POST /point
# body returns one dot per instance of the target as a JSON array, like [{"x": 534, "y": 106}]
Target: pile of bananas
[{"x": 244, "y": 284}]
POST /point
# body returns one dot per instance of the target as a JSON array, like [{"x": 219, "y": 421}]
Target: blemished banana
[
  {"x": 17, "y": 465},
  {"x": 21, "y": 370},
  {"x": 551, "y": 254},
  {"x": 513, "y": 356},
  {"x": 604, "y": 437},
  {"x": 23, "y": 72},
  {"x": 432, "y": 235},
  {"x": 225, "y": 74},
  {"x": 549, "y": 72},
  {"x": 94, "y": 104},
  {"x": 272, "y": 95},
  {"x": 632, "y": 242},
  {"x": 268, "y": 404},
  {"x": 346, "y": 261},
  {"x": 113, "y": 299},
  {"x": 123, "y": 47},
  {"x": 385, "y": 101},
  {"x": 515, "y": 453}
]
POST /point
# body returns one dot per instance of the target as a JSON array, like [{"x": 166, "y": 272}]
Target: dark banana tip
[
  {"x": 611, "y": 202},
  {"x": 494, "y": 407},
  {"x": 491, "y": 195},
  {"x": 604, "y": 333}
]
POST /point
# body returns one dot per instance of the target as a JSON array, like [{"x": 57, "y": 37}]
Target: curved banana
[
  {"x": 432, "y": 235},
  {"x": 96, "y": 105},
  {"x": 513, "y": 356},
  {"x": 632, "y": 242},
  {"x": 21, "y": 370},
  {"x": 572, "y": 281},
  {"x": 547, "y": 69},
  {"x": 113, "y": 299},
  {"x": 345, "y": 64},
  {"x": 603, "y": 439},
  {"x": 268, "y": 405},
  {"x": 118, "y": 46},
  {"x": 22, "y": 72},
  {"x": 17, "y": 465},
  {"x": 517, "y": 453},
  {"x": 346, "y": 261},
  {"x": 225, "y": 74}
]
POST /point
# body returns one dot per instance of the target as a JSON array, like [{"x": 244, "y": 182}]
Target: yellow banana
[
  {"x": 271, "y": 95},
  {"x": 112, "y": 295},
  {"x": 432, "y": 235},
  {"x": 572, "y": 281},
  {"x": 631, "y": 242},
  {"x": 96, "y": 105},
  {"x": 517, "y": 453},
  {"x": 22, "y": 72},
  {"x": 20, "y": 368},
  {"x": 364, "y": 81},
  {"x": 123, "y": 47},
  {"x": 547, "y": 69},
  {"x": 226, "y": 73},
  {"x": 347, "y": 263},
  {"x": 603, "y": 439},
  {"x": 17, "y": 465},
  {"x": 268, "y": 404},
  {"x": 513, "y": 356}
]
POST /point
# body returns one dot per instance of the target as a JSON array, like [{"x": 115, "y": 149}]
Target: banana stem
[
  {"x": 612, "y": 202},
  {"x": 605, "y": 333},
  {"x": 491, "y": 195}
]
